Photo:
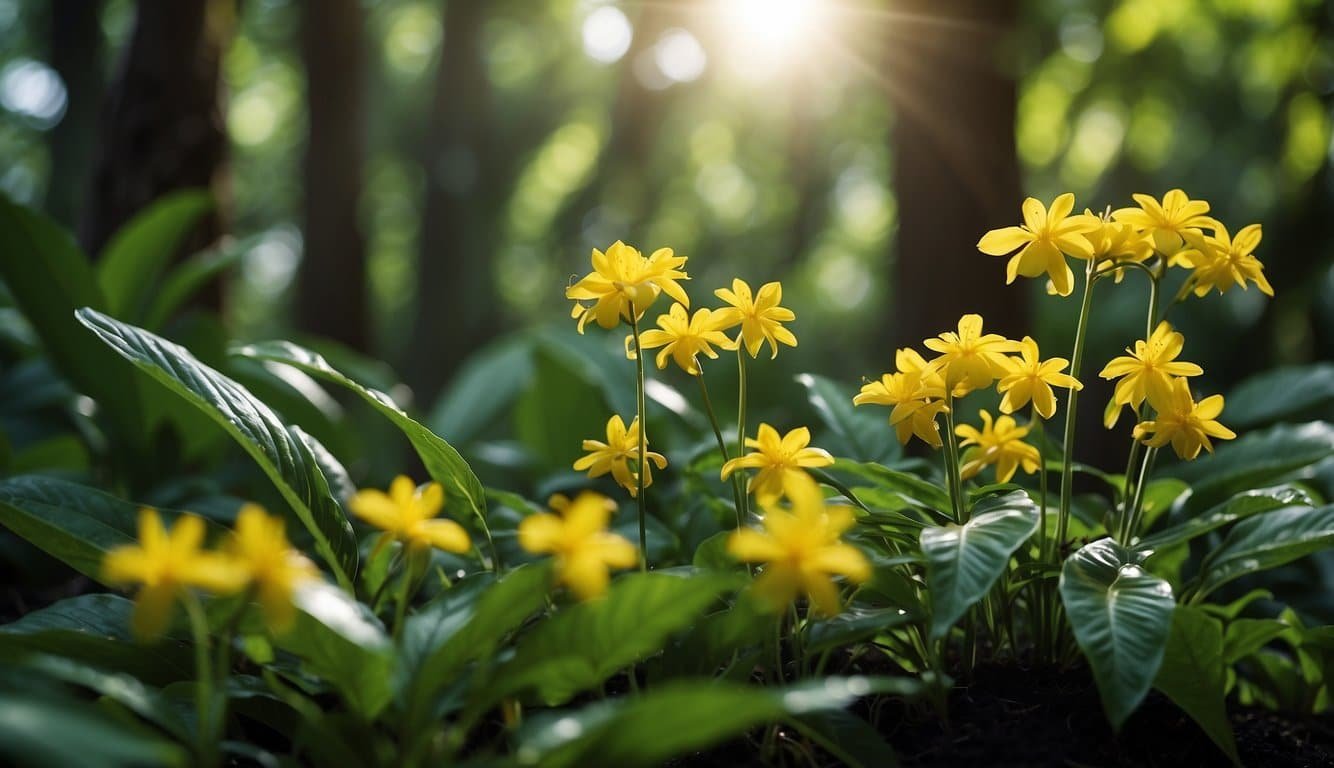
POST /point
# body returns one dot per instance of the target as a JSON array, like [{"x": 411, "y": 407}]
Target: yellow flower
[
  {"x": 1147, "y": 372},
  {"x": 1045, "y": 235},
  {"x": 915, "y": 405},
  {"x": 909, "y": 360},
  {"x": 1186, "y": 424},
  {"x": 1221, "y": 260},
  {"x": 682, "y": 338},
  {"x": 780, "y": 461},
  {"x": 1001, "y": 443},
  {"x": 615, "y": 455},
  {"x": 622, "y": 278},
  {"x": 407, "y": 513},
  {"x": 802, "y": 548},
  {"x": 1031, "y": 378},
  {"x": 1165, "y": 223},
  {"x": 760, "y": 317},
  {"x": 166, "y": 563},
  {"x": 1116, "y": 242},
  {"x": 578, "y": 537},
  {"x": 275, "y": 570},
  {"x": 970, "y": 359}
]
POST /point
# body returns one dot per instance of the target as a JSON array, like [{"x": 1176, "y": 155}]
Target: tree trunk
[
  {"x": 162, "y": 125},
  {"x": 956, "y": 174},
  {"x": 456, "y": 300},
  {"x": 76, "y": 55},
  {"x": 331, "y": 286}
]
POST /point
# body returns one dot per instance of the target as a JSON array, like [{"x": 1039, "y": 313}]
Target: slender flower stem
[
  {"x": 741, "y": 421},
  {"x": 207, "y": 739},
  {"x": 643, "y": 439},
  {"x": 1068, "y": 449},
  {"x": 1137, "y": 506},
  {"x": 952, "y": 462},
  {"x": 1036, "y": 421},
  {"x": 722, "y": 446}
]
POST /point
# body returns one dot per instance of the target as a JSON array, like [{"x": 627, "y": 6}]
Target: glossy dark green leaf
[
  {"x": 1193, "y": 674},
  {"x": 464, "y": 492},
  {"x": 677, "y": 718},
  {"x": 73, "y": 523},
  {"x": 851, "y": 626},
  {"x": 1246, "y": 636},
  {"x": 283, "y": 456},
  {"x": 964, "y": 561},
  {"x": 718, "y": 640},
  {"x": 1283, "y": 394},
  {"x": 584, "y": 644},
  {"x": 190, "y": 276},
  {"x": 1239, "y": 507},
  {"x": 862, "y": 433},
  {"x": 1259, "y": 543},
  {"x": 484, "y": 390},
  {"x": 910, "y": 489},
  {"x": 338, "y": 639},
  {"x": 1121, "y": 615},
  {"x": 50, "y": 278},
  {"x": 124, "y": 689},
  {"x": 1284, "y": 452},
  {"x": 129, "y": 266}
]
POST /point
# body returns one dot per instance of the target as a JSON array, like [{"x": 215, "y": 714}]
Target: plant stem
[
  {"x": 207, "y": 746},
  {"x": 741, "y": 421},
  {"x": 1068, "y": 449},
  {"x": 722, "y": 445},
  {"x": 1135, "y": 508},
  {"x": 643, "y": 439},
  {"x": 1041, "y": 592},
  {"x": 952, "y": 462}
]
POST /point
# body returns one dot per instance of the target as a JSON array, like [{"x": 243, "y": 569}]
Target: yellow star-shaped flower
[
  {"x": 1000, "y": 443},
  {"x": 1046, "y": 235},
  {"x": 621, "y": 279},
  {"x": 1030, "y": 379},
  {"x": 615, "y": 455},
  {"x": 407, "y": 514},
  {"x": 1186, "y": 424},
  {"x": 780, "y": 459},
  {"x": 274, "y": 569},
  {"x": 760, "y": 317},
  {"x": 970, "y": 359},
  {"x": 578, "y": 538},
  {"x": 682, "y": 338},
  {"x": 1165, "y": 222},
  {"x": 1146, "y": 372}
]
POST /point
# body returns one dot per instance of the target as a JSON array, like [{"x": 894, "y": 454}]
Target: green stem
[
  {"x": 741, "y": 420},
  {"x": 1041, "y": 590},
  {"x": 1137, "y": 507},
  {"x": 1068, "y": 449},
  {"x": 722, "y": 445},
  {"x": 952, "y": 470},
  {"x": 643, "y": 439},
  {"x": 207, "y": 746}
]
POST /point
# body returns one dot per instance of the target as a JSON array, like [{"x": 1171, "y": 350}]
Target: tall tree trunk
[
  {"x": 456, "y": 299},
  {"x": 331, "y": 285},
  {"x": 162, "y": 124},
  {"x": 956, "y": 173},
  {"x": 76, "y": 55}
]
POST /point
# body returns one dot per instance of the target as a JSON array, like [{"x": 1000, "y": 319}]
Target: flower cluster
[{"x": 168, "y": 563}]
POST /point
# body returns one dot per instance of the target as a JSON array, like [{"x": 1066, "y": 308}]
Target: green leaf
[
  {"x": 484, "y": 389},
  {"x": 1268, "y": 541},
  {"x": 283, "y": 456},
  {"x": 1306, "y": 392},
  {"x": 467, "y": 623},
  {"x": 124, "y": 689},
  {"x": 865, "y": 435},
  {"x": 909, "y": 489},
  {"x": 963, "y": 561},
  {"x": 1285, "y": 452},
  {"x": 718, "y": 640},
  {"x": 339, "y": 640},
  {"x": 129, "y": 266},
  {"x": 851, "y": 626},
  {"x": 846, "y": 736},
  {"x": 584, "y": 644},
  {"x": 1193, "y": 674},
  {"x": 50, "y": 278},
  {"x": 464, "y": 492},
  {"x": 73, "y": 523},
  {"x": 681, "y": 717},
  {"x": 1246, "y": 636},
  {"x": 192, "y": 275},
  {"x": 1121, "y": 615},
  {"x": 1239, "y": 507}
]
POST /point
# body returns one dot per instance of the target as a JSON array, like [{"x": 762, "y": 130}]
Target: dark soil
[{"x": 1010, "y": 716}]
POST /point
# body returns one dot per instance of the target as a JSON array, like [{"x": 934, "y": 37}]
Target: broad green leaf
[
  {"x": 851, "y": 626},
  {"x": 278, "y": 450},
  {"x": 129, "y": 266},
  {"x": 864, "y": 432},
  {"x": 849, "y": 738},
  {"x": 95, "y": 629},
  {"x": 911, "y": 489},
  {"x": 1121, "y": 615},
  {"x": 717, "y": 640},
  {"x": 561, "y": 407},
  {"x": 124, "y": 689},
  {"x": 1193, "y": 674},
  {"x": 1246, "y": 636},
  {"x": 190, "y": 276},
  {"x": 1283, "y": 394},
  {"x": 338, "y": 639},
  {"x": 682, "y": 717},
  {"x": 1239, "y": 507},
  {"x": 484, "y": 389},
  {"x": 467, "y": 623},
  {"x": 463, "y": 490},
  {"x": 963, "y": 561},
  {"x": 584, "y": 644},
  {"x": 42, "y": 725},
  {"x": 1268, "y": 541},
  {"x": 50, "y": 278},
  {"x": 1284, "y": 452}
]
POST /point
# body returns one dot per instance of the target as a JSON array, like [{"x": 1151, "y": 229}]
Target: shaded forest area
[{"x": 413, "y": 179}]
